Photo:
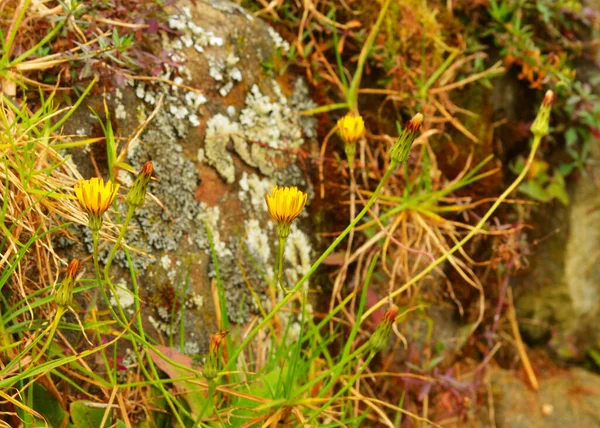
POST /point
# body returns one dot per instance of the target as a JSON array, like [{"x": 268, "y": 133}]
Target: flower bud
[
  {"x": 211, "y": 366},
  {"x": 137, "y": 193},
  {"x": 64, "y": 293},
  {"x": 540, "y": 125},
  {"x": 351, "y": 127},
  {"x": 379, "y": 339},
  {"x": 400, "y": 150}
]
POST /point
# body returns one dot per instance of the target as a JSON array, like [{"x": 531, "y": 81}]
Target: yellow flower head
[
  {"x": 351, "y": 128},
  {"x": 95, "y": 197},
  {"x": 284, "y": 205}
]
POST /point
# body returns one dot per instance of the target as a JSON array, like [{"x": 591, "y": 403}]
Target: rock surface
[
  {"x": 223, "y": 128},
  {"x": 565, "y": 399}
]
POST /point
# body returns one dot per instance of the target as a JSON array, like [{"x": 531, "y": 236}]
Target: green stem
[
  {"x": 122, "y": 322},
  {"x": 59, "y": 313},
  {"x": 312, "y": 269},
  {"x": 95, "y": 237},
  {"x": 114, "y": 249},
  {"x": 477, "y": 228},
  {"x": 352, "y": 96},
  {"x": 344, "y": 389},
  {"x": 280, "y": 264}
]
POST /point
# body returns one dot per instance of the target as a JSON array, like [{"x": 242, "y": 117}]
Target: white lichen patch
[
  {"x": 252, "y": 192},
  {"x": 278, "y": 41},
  {"x": 120, "y": 111},
  {"x": 124, "y": 295},
  {"x": 297, "y": 256},
  {"x": 165, "y": 262},
  {"x": 195, "y": 301},
  {"x": 268, "y": 133},
  {"x": 301, "y": 102},
  {"x": 259, "y": 244},
  {"x": 210, "y": 216},
  {"x": 225, "y": 72},
  {"x": 270, "y": 122},
  {"x": 219, "y": 131},
  {"x": 191, "y": 348},
  {"x": 159, "y": 325}
]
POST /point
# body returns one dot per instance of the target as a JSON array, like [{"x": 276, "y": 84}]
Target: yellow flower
[
  {"x": 284, "y": 205},
  {"x": 95, "y": 197},
  {"x": 351, "y": 128}
]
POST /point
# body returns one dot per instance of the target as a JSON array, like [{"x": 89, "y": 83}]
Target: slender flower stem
[
  {"x": 312, "y": 269},
  {"x": 95, "y": 237},
  {"x": 122, "y": 322},
  {"x": 122, "y": 232},
  {"x": 344, "y": 270},
  {"x": 111, "y": 256},
  {"x": 280, "y": 264},
  {"x": 52, "y": 329}
]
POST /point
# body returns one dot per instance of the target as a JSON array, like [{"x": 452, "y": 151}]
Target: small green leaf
[
  {"x": 595, "y": 355},
  {"x": 557, "y": 189},
  {"x": 46, "y": 405},
  {"x": 535, "y": 191},
  {"x": 85, "y": 416}
]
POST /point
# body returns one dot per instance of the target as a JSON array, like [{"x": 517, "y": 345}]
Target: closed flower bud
[
  {"x": 400, "y": 150},
  {"x": 540, "y": 125},
  {"x": 137, "y": 193},
  {"x": 379, "y": 339},
  {"x": 64, "y": 293},
  {"x": 351, "y": 127},
  {"x": 211, "y": 366}
]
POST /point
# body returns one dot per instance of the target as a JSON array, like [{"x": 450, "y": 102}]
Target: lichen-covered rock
[
  {"x": 567, "y": 398},
  {"x": 223, "y": 129}
]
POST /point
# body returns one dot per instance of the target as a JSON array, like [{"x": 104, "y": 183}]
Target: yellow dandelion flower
[
  {"x": 95, "y": 197},
  {"x": 351, "y": 128},
  {"x": 284, "y": 205}
]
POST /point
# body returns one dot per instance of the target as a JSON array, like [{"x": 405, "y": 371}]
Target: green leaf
[
  {"x": 535, "y": 191},
  {"x": 190, "y": 391},
  {"x": 595, "y": 355},
  {"x": 571, "y": 137},
  {"x": 557, "y": 189},
  {"x": 85, "y": 416},
  {"x": 45, "y": 404}
]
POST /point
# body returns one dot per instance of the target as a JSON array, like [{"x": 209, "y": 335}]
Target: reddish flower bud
[
  {"x": 400, "y": 150},
  {"x": 541, "y": 124},
  {"x": 211, "y": 366},
  {"x": 548, "y": 98},
  {"x": 137, "y": 193},
  {"x": 379, "y": 339},
  {"x": 414, "y": 124},
  {"x": 64, "y": 293}
]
